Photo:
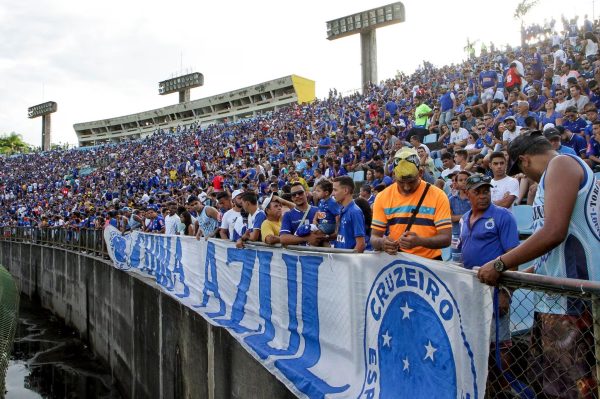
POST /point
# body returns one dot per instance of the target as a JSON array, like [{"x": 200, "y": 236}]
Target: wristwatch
[{"x": 499, "y": 265}]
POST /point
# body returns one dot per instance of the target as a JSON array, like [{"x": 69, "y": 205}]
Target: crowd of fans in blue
[
  {"x": 458, "y": 118},
  {"x": 316, "y": 174}
]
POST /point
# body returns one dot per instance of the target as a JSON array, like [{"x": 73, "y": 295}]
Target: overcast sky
[{"x": 104, "y": 59}]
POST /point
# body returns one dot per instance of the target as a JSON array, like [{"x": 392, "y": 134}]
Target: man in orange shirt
[{"x": 396, "y": 227}]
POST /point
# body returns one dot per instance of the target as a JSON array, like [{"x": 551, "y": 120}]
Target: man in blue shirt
[
  {"x": 487, "y": 232},
  {"x": 572, "y": 140},
  {"x": 459, "y": 203},
  {"x": 351, "y": 232},
  {"x": 554, "y": 137},
  {"x": 380, "y": 177},
  {"x": 295, "y": 226},
  {"x": 324, "y": 145},
  {"x": 572, "y": 121},
  {"x": 157, "y": 222}
]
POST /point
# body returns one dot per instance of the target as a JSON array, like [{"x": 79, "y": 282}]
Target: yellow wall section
[{"x": 305, "y": 88}]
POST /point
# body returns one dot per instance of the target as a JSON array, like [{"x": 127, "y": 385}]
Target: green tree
[
  {"x": 523, "y": 9},
  {"x": 470, "y": 48},
  {"x": 13, "y": 144}
]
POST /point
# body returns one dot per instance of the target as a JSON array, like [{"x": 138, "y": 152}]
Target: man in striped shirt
[{"x": 431, "y": 228}]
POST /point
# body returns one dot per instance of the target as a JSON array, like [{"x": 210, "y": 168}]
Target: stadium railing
[{"x": 554, "y": 324}]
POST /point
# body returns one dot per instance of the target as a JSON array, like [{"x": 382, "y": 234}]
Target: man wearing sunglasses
[
  {"x": 564, "y": 244},
  {"x": 416, "y": 217},
  {"x": 295, "y": 225}
]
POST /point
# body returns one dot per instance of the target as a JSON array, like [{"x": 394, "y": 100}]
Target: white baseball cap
[{"x": 236, "y": 193}]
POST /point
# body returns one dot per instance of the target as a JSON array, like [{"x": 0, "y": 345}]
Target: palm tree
[
  {"x": 522, "y": 9},
  {"x": 12, "y": 144}
]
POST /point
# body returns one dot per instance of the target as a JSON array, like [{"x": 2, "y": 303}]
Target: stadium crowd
[
  {"x": 412, "y": 165},
  {"x": 460, "y": 119}
]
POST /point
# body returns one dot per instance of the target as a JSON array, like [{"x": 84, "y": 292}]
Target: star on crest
[
  {"x": 406, "y": 311},
  {"x": 430, "y": 351},
  {"x": 387, "y": 339},
  {"x": 406, "y": 364}
]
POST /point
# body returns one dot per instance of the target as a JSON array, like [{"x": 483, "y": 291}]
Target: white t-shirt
[
  {"x": 172, "y": 224},
  {"x": 559, "y": 55},
  {"x": 461, "y": 134},
  {"x": 509, "y": 136},
  {"x": 500, "y": 187},
  {"x": 228, "y": 221},
  {"x": 446, "y": 172}
]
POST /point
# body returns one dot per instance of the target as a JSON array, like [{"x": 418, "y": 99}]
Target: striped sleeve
[
  {"x": 442, "y": 212},
  {"x": 379, "y": 221}
]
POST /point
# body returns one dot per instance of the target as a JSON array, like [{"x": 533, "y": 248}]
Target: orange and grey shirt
[{"x": 392, "y": 211}]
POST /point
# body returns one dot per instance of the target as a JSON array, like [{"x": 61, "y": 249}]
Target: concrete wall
[{"x": 154, "y": 346}]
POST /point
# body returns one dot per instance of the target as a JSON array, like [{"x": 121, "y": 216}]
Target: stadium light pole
[
  {"x": 182, "y": 84},
  {"x": 366, "y": 23},
  {"x": 44, "y": 110}
]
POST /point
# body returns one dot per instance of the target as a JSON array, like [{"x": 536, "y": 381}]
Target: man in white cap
[{"x": 416, "y": 214}]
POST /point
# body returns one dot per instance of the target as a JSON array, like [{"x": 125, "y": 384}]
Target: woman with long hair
[
  {"x": 550, "y": 116},
  {"x": 186, "y": 219}
]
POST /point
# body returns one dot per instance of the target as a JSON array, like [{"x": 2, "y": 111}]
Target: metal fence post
[{"x": 596, "y": 324}]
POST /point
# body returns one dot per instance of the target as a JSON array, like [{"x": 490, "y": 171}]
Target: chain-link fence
[
  {"x": 545, "y": 326},
  {"x": 90, "y": 241},
  {"x": 546, "y": 343},
  {"x": 9, "y": 312}
]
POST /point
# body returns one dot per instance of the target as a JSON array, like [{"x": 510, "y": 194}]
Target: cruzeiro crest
[
  {"x": 118, "y": 247},
  {"x": 415, "y": 346}
]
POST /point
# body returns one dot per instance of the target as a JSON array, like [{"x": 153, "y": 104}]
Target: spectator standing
[
  {"x": 300, "y": 216},
  {"x": 564, "y": 244},
  {"x": 270, "y": 228},
  {"x": 504, "y": 189},
  {"x": 487, "y": 232},
  {"x": 172, "y": 220},
  {"x": 351, "y": 232},
  {"x": 423, "y": 231}
]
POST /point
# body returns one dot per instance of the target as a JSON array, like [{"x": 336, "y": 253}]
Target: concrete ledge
[{"x": 154, "y": 346}]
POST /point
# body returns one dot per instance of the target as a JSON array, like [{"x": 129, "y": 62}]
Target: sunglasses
[
  {"x": 297, "y": 193},
  {"x": 478, "y": 179},
  {"x": 412, "y": 159}
]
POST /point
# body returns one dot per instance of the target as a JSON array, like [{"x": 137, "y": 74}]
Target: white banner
[{"x": 330, "y": 325}]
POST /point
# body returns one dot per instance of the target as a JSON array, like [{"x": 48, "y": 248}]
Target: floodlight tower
[
  {"x": 44, "y": 110},
  {"x": 366, "y": 23},
  {"x": 181, "y": 84}
]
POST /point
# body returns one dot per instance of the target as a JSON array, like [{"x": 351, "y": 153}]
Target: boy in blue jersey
[
  {"x": 351, "y": 231},
  {"x": 156, "y": 221},
  {"x": 295, "y": 226},
  {"x": 328, "y": 217}
]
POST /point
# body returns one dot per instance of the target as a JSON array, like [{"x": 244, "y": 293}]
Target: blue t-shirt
[
  {"x": 157, "y": 224},
  {"x": 563, "y": 149},
  {"x": 487, "y": 79},
  {"x": 593, "y": 148},
  {"x": 325, "y": 141},
  {"x": 291, "y": 220},
  {"x": 352, "y": 225},
  {"x": 492, "y": 235},
  {"x": 577, "y": 143},
  {"x": 458, "y": 206},
  {"x": 328, "y": 210},
  {"x": 575, "y": 126},
  {"x": 257, "y": 220}
]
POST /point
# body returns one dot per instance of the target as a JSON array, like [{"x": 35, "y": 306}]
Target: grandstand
[{"x": 232, "y": 106}]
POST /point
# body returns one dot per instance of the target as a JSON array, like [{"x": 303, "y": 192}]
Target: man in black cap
[
  {"x": 554, "y": 135},
  {"x": 565, "y": 242}
]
